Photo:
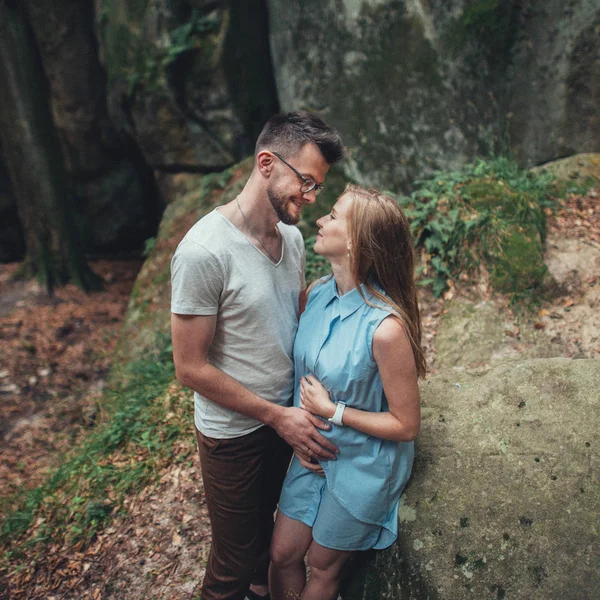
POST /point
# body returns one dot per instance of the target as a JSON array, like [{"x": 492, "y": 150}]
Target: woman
[{"x": 358, "y": 343}]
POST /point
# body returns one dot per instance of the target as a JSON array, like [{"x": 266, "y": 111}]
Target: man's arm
[{"x": 192, "y": 336}]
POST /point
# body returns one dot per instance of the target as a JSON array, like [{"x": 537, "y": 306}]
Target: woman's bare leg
[
  {"x": 287, "y": 573},
  {"x": 325, "y": 570}
]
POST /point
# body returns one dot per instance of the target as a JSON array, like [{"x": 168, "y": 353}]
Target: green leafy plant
[
  {"x": 185, "y": 37},
  {"x": 490, "y": 213},
  {"x": 152, "y": 62}
]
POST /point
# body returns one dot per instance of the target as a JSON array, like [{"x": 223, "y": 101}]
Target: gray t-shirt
[{"x": 217, "y": 270}]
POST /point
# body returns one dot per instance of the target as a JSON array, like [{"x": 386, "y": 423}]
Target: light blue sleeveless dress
[{"x": 355, "y": 507}]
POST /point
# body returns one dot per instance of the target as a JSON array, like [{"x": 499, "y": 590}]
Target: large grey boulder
[
  {"x": 475, "y": 335},
  {"x": 555, "y": 83},
  {"x": 505, "y": 494},
  {"x": 415, "y": 86},
  {"x": 190, "y": 80}
]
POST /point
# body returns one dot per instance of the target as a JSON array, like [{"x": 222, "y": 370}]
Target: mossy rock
[
  {"x": 504, "y": 498},
  {"x": 578, "y": 171},
  {"x": 181, "y": 82},
  {"x": 517, "y": 265},
  {"x": 383, "y": 74},
  {"x": 486, "y": 194},
  {"x": 473, "y": 336}
]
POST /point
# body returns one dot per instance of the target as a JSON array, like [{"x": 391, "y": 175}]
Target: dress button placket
[{"x": 332, "y": 321}]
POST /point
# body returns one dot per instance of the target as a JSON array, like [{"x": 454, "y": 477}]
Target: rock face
[
  {"x": 556, "y": 80},
  {"x": 415, "y": 86},
  {"x": 505, "y": 494},
  {"x": 580, "y": 169},
  {"x": 190, "y": 80},
  {"x": 475, "y": 335}
]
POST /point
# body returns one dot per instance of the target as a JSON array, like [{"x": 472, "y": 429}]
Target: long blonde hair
[{"x": 382, "y": 256}]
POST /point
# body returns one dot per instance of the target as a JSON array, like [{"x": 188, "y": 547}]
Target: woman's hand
[
  {"x": 315, "y": 398},
  {"x": 315, "y": 467}
]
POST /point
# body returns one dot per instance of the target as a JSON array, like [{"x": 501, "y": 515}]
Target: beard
[{"x": 279, "y": 202}]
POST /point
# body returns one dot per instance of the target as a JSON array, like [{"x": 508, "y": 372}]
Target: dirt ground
[{"x": 56, "y": 353}]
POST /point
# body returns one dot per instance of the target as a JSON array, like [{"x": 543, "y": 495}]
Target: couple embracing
[{"x": 328, "y": 375}]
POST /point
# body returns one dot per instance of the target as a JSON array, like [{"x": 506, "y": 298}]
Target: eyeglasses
[{"x": 308, "y": 185}]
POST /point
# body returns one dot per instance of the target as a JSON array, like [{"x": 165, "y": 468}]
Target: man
[{"x": 237, "y": 277}]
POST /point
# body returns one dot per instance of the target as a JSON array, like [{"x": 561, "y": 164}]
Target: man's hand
[{"x": 299, "y": 429}]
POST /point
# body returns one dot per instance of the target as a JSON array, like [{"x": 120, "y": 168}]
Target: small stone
[{"x": 9, "y": 388}]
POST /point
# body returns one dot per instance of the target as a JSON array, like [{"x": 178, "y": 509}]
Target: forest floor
[{"x": 56, "y": 354}]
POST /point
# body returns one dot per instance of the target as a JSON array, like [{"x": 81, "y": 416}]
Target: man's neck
[{"x": 256, "y": 212}]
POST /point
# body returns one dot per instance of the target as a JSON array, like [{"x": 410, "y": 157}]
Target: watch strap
[{"x": 338, "y": 414}]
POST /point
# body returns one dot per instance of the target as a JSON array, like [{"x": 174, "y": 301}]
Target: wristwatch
[{"x": 338, "y": 414}]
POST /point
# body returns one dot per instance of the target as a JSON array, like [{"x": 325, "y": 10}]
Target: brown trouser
[{"x": 242, "y": 481}]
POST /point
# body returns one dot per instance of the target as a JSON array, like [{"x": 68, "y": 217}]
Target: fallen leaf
[{"x": 568, "y": 302}]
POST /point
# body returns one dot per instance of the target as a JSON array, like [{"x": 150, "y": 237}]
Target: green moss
[
  {"x": 142, "y": 63},
  {"x": 508, "y": 203},
  {"x": 136, "y": 10},
  {"x": 485, "y": 194},
  {"x": 127, "y": 58},
  {"x": 488, "y": 213},
  {"x": 485, "y": 24},
  {"x": 162, "y": 277},
  {"x": 518, "y": 265}
]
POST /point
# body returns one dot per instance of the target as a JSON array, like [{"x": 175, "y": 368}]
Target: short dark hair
[{"x": 288, "y": 133}]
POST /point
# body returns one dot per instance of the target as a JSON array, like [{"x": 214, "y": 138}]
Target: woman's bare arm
[{"x": 394, "y": 357}]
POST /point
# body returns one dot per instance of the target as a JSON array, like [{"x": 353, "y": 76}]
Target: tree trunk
[
  {"x": 34, "y": 158},
  {"x": 113, "y": 188}
]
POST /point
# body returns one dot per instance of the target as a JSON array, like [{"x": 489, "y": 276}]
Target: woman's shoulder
[{"x": 391, "y": 328}]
